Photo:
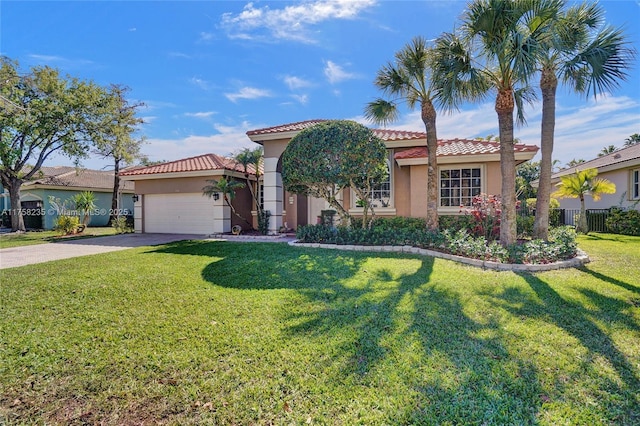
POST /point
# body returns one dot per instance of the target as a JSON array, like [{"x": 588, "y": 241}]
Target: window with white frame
[
  {"x": 458, "y": 186},
  {"x": 380, "y": 194},
  {"x": 635, "y": 184}
]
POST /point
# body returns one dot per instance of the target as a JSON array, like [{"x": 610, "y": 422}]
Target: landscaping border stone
[{"x": 581, "y": 258}]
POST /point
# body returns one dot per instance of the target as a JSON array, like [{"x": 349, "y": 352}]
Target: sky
[{"x": 209, "y": 71}]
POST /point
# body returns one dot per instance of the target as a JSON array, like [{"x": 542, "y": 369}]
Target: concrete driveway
[{"x": 28, "y": 255}]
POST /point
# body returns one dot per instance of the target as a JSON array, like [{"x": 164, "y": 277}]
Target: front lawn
[
  {"x": 41, "y": 237},
  {"x": 263, "y": 333}
]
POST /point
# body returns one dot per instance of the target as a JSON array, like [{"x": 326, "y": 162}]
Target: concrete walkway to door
[{"x": 27, "y": 255}]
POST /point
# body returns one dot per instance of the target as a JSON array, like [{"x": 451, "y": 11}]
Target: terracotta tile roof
[
  {"x": 455, "y": 147},
  {"x": 193, "y": 164},
  {"x": 283, "y": 128},
  {"x": 397, "y": 135},
  {"x": 618, "y": 157},
  {"x": 75, "y": 178},
  {"x": 384, "y": 134}
]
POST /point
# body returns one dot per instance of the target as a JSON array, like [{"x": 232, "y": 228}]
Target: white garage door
[{"x": 178, "y": 214}]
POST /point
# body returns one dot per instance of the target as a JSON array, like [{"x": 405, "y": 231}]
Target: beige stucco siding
[
  {"x": 493, "y": 178},
  {"x": 242, "y": 202},
  {"x": 621, "y": 178},
  {"x": 275, "y": 148},
  {"x": 418, "y": 198},
  {"x": 178, "y": 185},
  {"x": 403, "y": 190}
]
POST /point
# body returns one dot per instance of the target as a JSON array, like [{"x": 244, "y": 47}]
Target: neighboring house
[
  {"x": 170, "y": 198},
  {"x": 621, "y": 167},
  {"x": 62, "y": 183}
]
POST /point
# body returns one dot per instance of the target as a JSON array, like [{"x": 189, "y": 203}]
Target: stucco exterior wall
[
  {"x": 243, "y": 201},
  {"x": 98, "y": 217},
  {"x": 622, "y": 197}
]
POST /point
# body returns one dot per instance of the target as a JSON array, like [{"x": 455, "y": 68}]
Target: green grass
[
  {"x": 41, "y": 237},
  {"x": 237, "y": 333}
]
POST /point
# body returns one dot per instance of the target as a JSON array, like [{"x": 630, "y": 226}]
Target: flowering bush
[{"x": 485, "y": 211}]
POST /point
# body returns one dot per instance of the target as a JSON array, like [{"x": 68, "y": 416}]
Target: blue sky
[{"x": 208, "y": 71}]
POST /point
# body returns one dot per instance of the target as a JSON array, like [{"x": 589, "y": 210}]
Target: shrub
[
  {"x": 263, "y": 221},
  {"x": 121, "y": 225},
  {"x": 485, "y": 212},
  {"x": 455, "y": 223},
  {"x": 561, "y": 244},
  {"x": 67, "y": 225},
  {"x": 626, "y": 222},
  {"x": 525, "y": 225}
]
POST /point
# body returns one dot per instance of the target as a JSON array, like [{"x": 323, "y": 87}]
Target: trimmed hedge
[
  {"x": 626, "y": 222},
  {"x": 561, "y": 245}
]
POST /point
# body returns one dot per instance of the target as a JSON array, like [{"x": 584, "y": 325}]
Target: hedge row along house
[{"x": 169, "y": 196}]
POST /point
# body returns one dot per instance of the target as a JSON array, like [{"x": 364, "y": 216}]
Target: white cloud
[
  {"x": 302, "y": 99},
  {"x": 60, "y": 61},
  {"x": 202, "y": 115},
  {"x": 291, "y": 22},
  {"x": 178, "y": 55},
  {"x": 203, "y": 84},
  {"x": 227, "y": 140},
  {"x": 335, "y": 73},
  {"x": 206, "y": 37},
  {"x": 295, "y": 83},
  {"x": 248, "y": 93},
  {"x": 581, "y": 131}
]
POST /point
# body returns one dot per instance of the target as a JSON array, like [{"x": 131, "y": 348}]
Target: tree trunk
[
  {"x": 504, "y": 108},
  {"x": 583, "y": 225},
  {"x": 429, "y": 120},
  {"x": 116, "y": 189},
  {"x": 233, "y": 210},
  {"x": 548, "y": 86},
  {"x": 17, "y": 220}
]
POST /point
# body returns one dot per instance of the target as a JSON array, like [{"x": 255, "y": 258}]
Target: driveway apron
[{"x": 28, "y": 255}]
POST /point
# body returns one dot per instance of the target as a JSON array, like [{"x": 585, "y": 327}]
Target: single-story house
[
  {"x": 621, "y": 167},
  {"x": 62, "y": 183},
  {"x": 466, "y": 168},
  {"x": 169, "y": 196}
]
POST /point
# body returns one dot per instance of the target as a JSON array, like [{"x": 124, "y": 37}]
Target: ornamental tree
[
  {"x": 579, "y": 184},
  {"x": 324, "y": 159},
  {"x": 41, "y": 113},
  {"x": 113, "y": 135}
]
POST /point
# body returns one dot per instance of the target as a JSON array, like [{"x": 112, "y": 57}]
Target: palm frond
[{"x": 381, "y": 112}]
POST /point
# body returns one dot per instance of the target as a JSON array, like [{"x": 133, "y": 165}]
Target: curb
[{"x": 581, "y": 258}]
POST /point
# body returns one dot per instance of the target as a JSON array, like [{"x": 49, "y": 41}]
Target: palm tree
[
  {"x": 85, "y": 202},
  {"x": 591, "y": 59},
  {"x": 607, "y": 150},
  {"x": 252, "y": 159},
  {"x": 579, "y": 184},
  {"x": 632, "y": 140},
  {"x": 408, "y": 80},
  {"x": 496, "y": 50},
  {"x": 228, "y": 188}
]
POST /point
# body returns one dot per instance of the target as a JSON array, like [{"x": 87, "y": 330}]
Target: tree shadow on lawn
[
  {"x": 576, "y": 320},
  {"x": 610, "y": 280},
  {"x": 374, "y": 324}
]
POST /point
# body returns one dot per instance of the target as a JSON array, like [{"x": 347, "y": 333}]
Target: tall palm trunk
[
  {"x": 583, "y": 225},
  {"x": 548, "y": 86},
  {"x": 504, "y": 108},
  {"x": 429, "y": 120}
]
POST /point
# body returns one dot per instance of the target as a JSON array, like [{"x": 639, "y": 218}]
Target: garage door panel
[{"x": 190, "y": 213}]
